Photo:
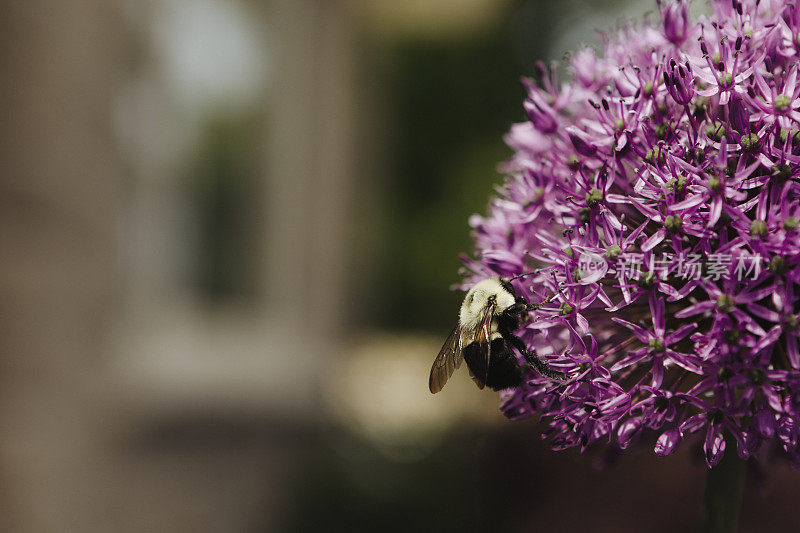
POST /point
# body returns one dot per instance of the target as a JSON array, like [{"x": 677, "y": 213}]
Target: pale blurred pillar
[
  {"x": 311, "y": 161},
  {"x": 61, "y": 191}
]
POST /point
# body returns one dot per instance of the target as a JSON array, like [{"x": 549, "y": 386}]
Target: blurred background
[{"x": 229, "y": 229}]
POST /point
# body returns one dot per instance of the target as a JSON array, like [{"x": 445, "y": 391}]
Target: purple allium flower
[{"x": 678, "y": 146}]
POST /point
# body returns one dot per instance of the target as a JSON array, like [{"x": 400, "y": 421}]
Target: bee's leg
[
  {"x": 518, "y": 308},
  {"x": 542, "y": 368},
  {"x": 534, "y": 360}
]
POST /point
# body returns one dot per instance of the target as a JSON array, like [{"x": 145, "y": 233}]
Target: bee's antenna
[
  {"x": 559, "y": 286},
  {"x": 529, "y": 273}
]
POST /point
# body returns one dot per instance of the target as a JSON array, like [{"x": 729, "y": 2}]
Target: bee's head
[
  {"x": 509, "y": 287},
  {"x": 506, "y": 284}
]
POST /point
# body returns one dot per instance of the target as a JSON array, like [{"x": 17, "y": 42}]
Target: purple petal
[
  {"x": 691, "y": 201},
  {"x": 765, "y": 423},
  {"x": 658, "y": 371},
  {"x": 686, "y": 361},
  {"x": 696, "y": 309},
  {"x": 581, "y": 141},
  {"x": 680, "y": 333},
  {"x": 791, "y": 350},
  {"x": 641, "y": 333},
  {"x": 768, "y": 340},
  {"x": 692, "y": 424},
  {"x": 633, "y": 358},
  {"x": 714, "y": 445},
  {"x": 668, "y": 442},
  {"x": 627, "y": 431},
  {"x": 654, "y": 239},
  {"x": 657, "y": 313},
  {"x": 763, "y": 312},
  {"x": 615, "y": 406},
  {"x": 583, "y": 324}
]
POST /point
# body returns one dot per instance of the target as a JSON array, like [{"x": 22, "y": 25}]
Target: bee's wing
[
  {"x": 483, "y": 338},
  {"x": 449, "y": 358}
]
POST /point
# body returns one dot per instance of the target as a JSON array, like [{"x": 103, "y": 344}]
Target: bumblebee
[{"x": 484, "y": 337}]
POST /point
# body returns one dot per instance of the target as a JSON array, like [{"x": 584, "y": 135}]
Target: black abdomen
[{"x": 504, "y": 370}]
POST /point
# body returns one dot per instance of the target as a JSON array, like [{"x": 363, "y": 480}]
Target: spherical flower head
[{"x": 657, "y": 196}]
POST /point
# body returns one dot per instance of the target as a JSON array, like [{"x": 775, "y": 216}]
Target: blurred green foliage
[
  {"x": 222, "y": 183},
  {"x": 451, "y": 103}
]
